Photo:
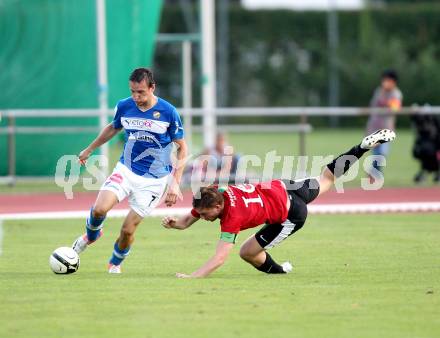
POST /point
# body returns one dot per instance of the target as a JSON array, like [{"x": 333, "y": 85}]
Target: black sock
[
  {"x": 342, "y": 163},
  {"x": 270, "y": 266}
]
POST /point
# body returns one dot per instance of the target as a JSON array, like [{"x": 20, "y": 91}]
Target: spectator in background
[
  {"x": 387, "y": 95},
  {"x": 224, "y": 159},
  {"x": 427, "y": 146},
  {"x": 223, "y": 153}
]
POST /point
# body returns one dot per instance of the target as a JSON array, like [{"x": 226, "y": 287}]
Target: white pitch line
[
  {"x": 313, "y": 209},
  {"x": 85, "y": 213},
  {"x": 1, "y": 237},
  {"x": 374, "y": 208}
]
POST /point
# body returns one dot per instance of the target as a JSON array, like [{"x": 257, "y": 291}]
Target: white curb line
[
  {"x": 313, "y": 209},
  {"x": 1, "y": 237}
]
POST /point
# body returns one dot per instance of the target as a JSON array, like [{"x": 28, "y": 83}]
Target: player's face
[
  {"x": 210, "y": 214},
  {"x": 141, "y": 92}
]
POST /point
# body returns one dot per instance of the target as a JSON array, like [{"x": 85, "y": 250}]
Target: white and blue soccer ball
[{"x": 64, "y": 260}]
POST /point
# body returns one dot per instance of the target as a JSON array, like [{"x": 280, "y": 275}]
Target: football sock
[
  {"x": 93, "y": 226},
  {"x": 119, "y": 255},
  {"x": 340, "y": 165},
  {"x": 270, "y": 266}
]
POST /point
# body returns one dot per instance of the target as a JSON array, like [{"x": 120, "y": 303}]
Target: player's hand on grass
[
  {"x": 169, "y": 222},
  {"x": 172, "y": 195},
  {"x": 84, "y": 155},
  {"x": 182, "y": 275}
]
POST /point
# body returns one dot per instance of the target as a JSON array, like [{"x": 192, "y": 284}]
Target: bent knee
[
  {"x": 127, "y": 232},
  {"x": 246, "y": 255},
  {"x": 99, "y": 211}
]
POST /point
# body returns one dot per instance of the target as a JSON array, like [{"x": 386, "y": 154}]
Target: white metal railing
[
  {"x": 313, "y": 111},
  {"x": 236, "y": 111},
  {"x": 302, "y": 127}
]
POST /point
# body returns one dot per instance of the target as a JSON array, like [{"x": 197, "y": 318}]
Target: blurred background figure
[
  {"x": 224, "y": 154},
  {"x": 426, "y": 147},
  {"x": 387, "y": 95},
  {"x": 222, "y": 166}
]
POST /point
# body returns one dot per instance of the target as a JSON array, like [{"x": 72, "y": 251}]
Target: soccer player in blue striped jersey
[{"x": 152, "y": 126}]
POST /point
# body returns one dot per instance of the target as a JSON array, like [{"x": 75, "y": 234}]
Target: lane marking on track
[
  {"x": 1, "y": 237},
  {"x": 313, "y": 209}
]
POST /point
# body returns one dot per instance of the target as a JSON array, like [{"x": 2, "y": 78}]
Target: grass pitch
[{"x": 354, "y": 276}]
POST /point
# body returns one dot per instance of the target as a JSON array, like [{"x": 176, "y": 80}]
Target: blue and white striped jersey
[{"x": 149, "y": 136}]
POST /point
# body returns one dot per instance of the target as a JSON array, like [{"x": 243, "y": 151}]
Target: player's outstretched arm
[
  {"x": 174, "y": 190},
  {"x": 106, "y": 134},
  {"x": 221, "y": 254},
  {"x": 180, "y": 223}
]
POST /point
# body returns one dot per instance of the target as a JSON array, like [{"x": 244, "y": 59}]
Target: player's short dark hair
[
  {"x": 140, "y": 74},
  {"x": 390, "y": 74},
  {"x": 209, "y": 197}
]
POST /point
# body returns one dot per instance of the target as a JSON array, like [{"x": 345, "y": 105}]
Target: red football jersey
[{"x": 249, "y": 205}]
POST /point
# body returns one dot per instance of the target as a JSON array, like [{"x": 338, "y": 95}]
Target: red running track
[{"x": 49, "y": 202}]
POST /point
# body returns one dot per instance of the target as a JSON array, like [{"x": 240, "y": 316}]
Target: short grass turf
[{"x": 354, "y": 276}]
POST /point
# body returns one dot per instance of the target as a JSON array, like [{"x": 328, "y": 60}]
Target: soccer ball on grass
[{"x": 64, "y": 260}]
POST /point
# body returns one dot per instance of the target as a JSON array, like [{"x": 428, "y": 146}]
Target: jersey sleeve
[
  {"x": 117, "y": 118},
  {"x": 230, "y": 225},
  {"x": 176, "y": 126}
]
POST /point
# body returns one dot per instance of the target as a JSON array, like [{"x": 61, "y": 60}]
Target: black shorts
[{"x": 300, "y": 194}]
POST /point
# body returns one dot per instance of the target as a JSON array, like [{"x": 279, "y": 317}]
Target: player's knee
[
  {"x": 99, "y": 211},
  {"x": 127, "y": 232},
  {"x": 246, "y": 255}
]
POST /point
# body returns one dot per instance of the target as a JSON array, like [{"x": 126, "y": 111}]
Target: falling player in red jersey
[{"x": 279, "y": 204}]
